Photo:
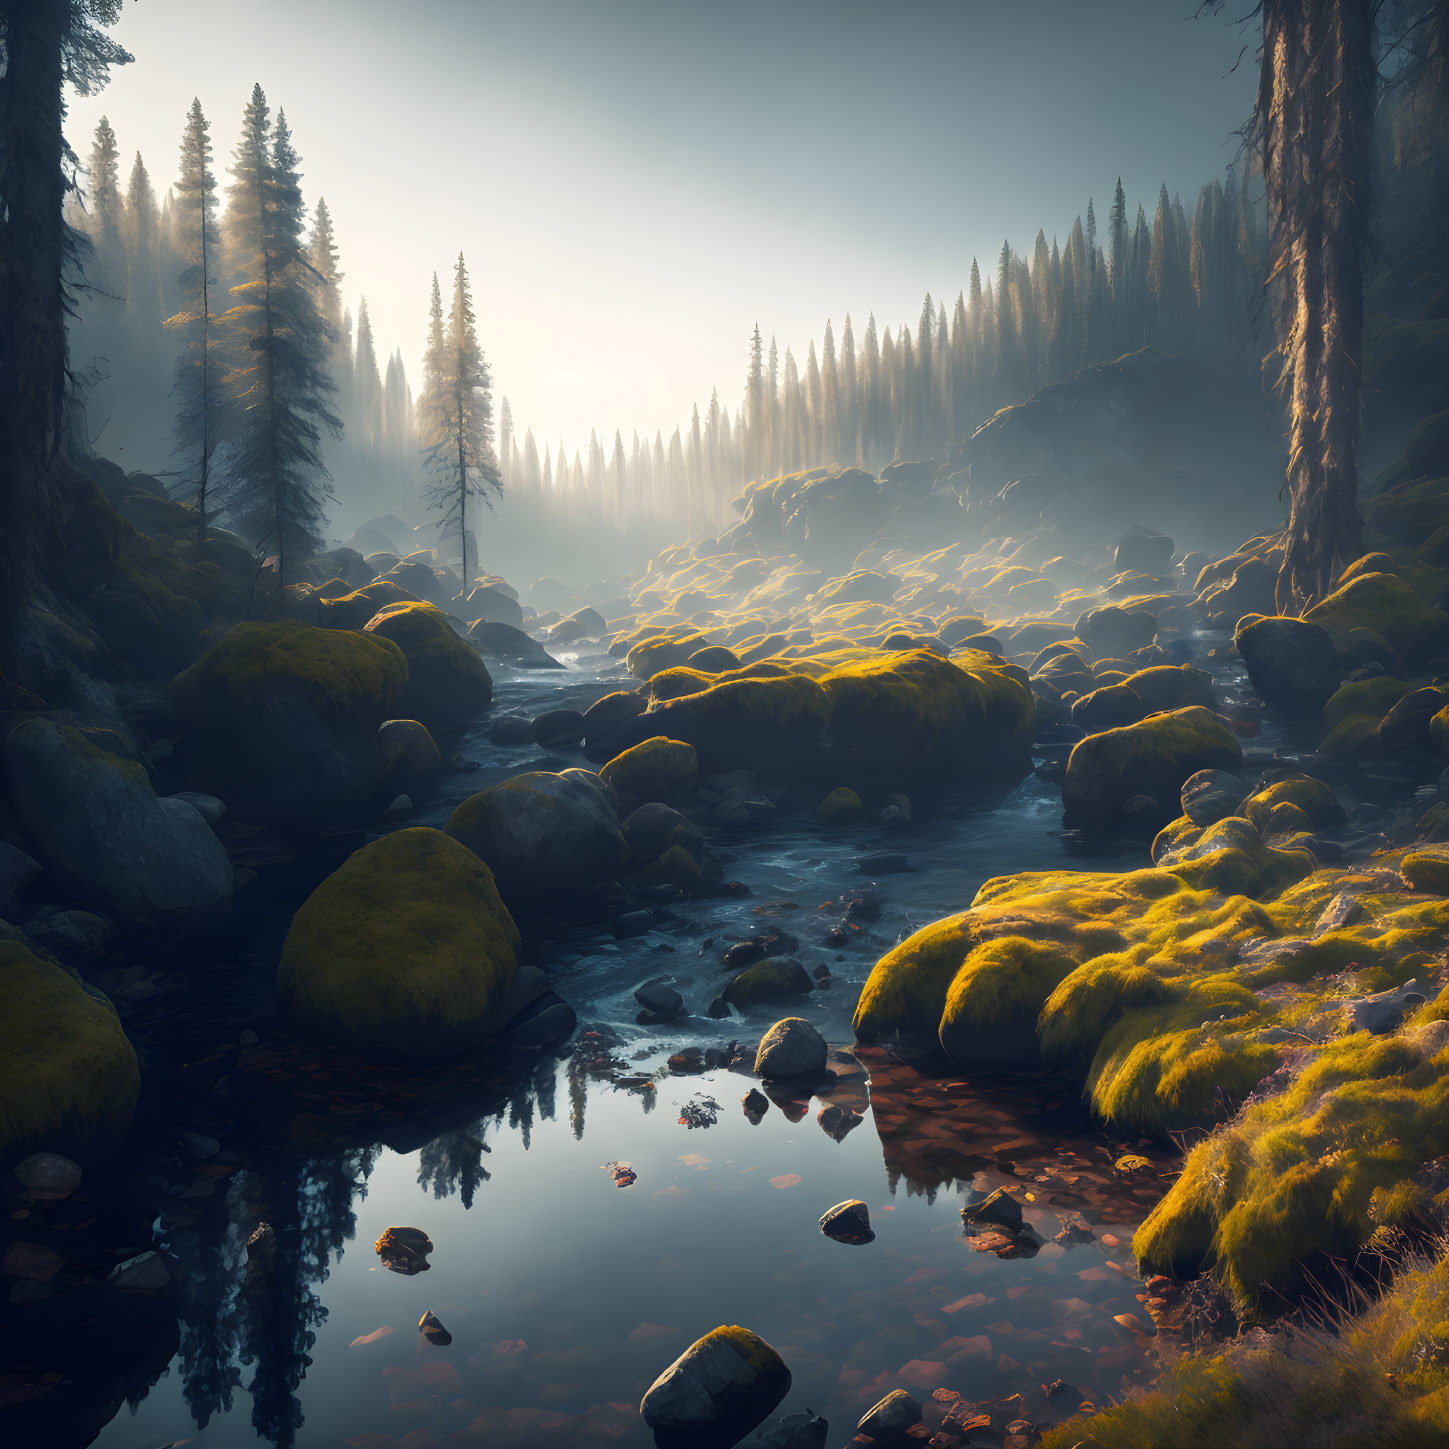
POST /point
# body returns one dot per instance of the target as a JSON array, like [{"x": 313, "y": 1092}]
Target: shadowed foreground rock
[{"x": 716, "y": 1391}]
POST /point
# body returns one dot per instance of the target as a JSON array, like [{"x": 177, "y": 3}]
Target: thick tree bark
[
  {"x": 1315, "y": 111},
  {"x": 32, "y": 298}
]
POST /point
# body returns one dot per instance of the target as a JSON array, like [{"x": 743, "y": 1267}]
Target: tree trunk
[
  {"x": 1315, "y": 111},
  {"x": 32, "y": 298}
]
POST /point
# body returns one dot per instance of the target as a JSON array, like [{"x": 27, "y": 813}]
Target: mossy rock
[
  {"x": 658, "y": 652},
  {"x": 1108, "y": 708},
  {"x": 69, "y": 1080},
  {"x": 713, "y": 659},
  {"x": 413, "y": 760},
  {"x": 406, "y": 948},
  {"x": 448, "y": 683},
  {"x": 550, "y": 840},
  {"x": 1293, "y": 664},
  {"x": 675, "y": 866},
  {"x": 1313, "y": 797},
  {"x": 281, "y": 721},
  {"x": 990, "y": 1014},
  {"x": 1152, "y": 758},
  {"x": 842, "y": 806},
  {"x": 655, "y": 769},
  {"x": 1354, "y": 712},
  {"x": 768, "y": 981},
  {"x": 1357, "y": 647},
  {"x": 1426, "y": 871},
  {"x": 353, "y": 610},
  {"x": 1388, "y": 606}
]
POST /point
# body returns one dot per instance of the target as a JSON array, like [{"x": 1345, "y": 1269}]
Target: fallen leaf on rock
[{"x": 1132, "y": 1162}]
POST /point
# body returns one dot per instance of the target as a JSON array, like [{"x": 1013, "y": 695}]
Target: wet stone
[
  {"x": 755, "y": 1103},
  {"x": 791, "y": 1048},
  {"x": 888, "y": 862},
  {"x": 145, "y": 1273},
  {"x": 48, "y": 1177},
  {"x": 848, "y": 1222},
  {"x": 998, "y": 1208},
  {"x": 404, "y": 1250},
  {"x": 661, "y": 1000},
  {"x": 891, "y": 1417}
]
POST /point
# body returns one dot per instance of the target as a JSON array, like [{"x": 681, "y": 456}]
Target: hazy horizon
[{"x": 908, "y": 147}]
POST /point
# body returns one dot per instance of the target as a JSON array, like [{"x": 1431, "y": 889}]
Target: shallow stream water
[{"x": 567, "y": 1284}]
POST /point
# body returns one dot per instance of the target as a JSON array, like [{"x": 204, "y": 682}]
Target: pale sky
[{"x": 636, "y": 183}]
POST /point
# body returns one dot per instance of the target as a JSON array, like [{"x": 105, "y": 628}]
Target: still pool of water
[{"x": 565, "y": 1294}]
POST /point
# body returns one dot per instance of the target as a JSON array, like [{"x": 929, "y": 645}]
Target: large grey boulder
[
  {"x": 549, "y": 839},
  {"x": 717, "y": 1390},
  {"x": 151, "y": 863}
]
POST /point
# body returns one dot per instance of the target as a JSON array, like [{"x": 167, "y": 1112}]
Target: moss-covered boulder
[
  {"x": 716, "y": 1391},
  {"x": 281, "y": 721},
  {"x": 95, "y": 821},
  {"x": 859, "y": 715},
  {"x": 778, "y": 979},
  {"x": 68, "y": 1076},
  {"x": 405, "y": 948},
  {"x": 413, "y": 761},
  {"x": 1387, "y": 605},
  {"x": 842, "y": 806},
  {"x": 1152, "y": 758},
  {"x": 655, "y": 769},
  {"x": 550, "y": 840},
  {"x": 448, "y": 683},
  {"x": 1293, "y": 664},
  {"x": 1313, "y": 797},
  {"x": 353, "y": 610},
  {"x": 1354, "y": 712}
]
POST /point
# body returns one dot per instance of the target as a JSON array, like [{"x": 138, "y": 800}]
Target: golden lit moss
[
  {"x": 1353, "y": 713},
  {"x": 340, "y": 671},
  {"x": 68, "y": 1076},
  {"x": 989, "y": 1017},
  {"x": 655, "y": 769},
  {"x": 1152, "y": 758},
  {"x": 448, "y": 683},
  {"x": 1382, "y": 1379},
  {"x": 406, "y": 947},
  {"x": 906, "y": 991},
  {"x": 867, "y": 715},
  {"x": 1388, "y": 606},
  {"x": 1318, "y": 803},
  {"x": 1359, "y": 1119},
  {"x": 1426, "y": 871}
]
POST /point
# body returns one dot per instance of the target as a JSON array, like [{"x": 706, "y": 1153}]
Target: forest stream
[{"x": 594, "y": 1211}]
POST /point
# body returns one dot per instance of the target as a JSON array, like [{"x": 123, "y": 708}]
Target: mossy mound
[
  {"x": 1151, "y": 758},
  {"x": 550, "y": 840},
  {"x": 281, "y": 721},
  {"x": 1300, "y": 1171},
  {"x": 413, "y": 760},
  {"x": 448, "y": 684},
  {"x": 1387, "y": 605},
  {"x": 1173, "y": 989},
  {"x": 660, "y": 650},
  {"x": 406, "y": 948},
  {"x": 655, "y": 769},
  {"x": 857, "y": 714},
  {"x": 1313, "y": 797},
  {"x": 69, "y": 1080}
]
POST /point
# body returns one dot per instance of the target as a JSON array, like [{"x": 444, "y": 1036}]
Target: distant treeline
[{"x": 1175, "y": 283}]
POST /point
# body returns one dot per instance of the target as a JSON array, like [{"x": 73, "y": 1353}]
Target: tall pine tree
[
  {"x": 199, "y": 412},
  {"x": 458, "y": 420},
  {"x": 276, "y": 486}
]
